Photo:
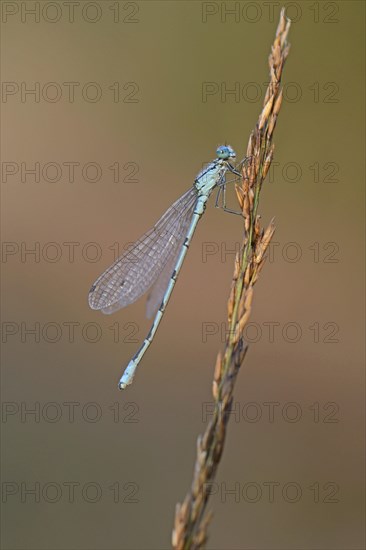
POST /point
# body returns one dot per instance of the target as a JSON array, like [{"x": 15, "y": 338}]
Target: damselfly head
[{"x": 225, "y": 152}]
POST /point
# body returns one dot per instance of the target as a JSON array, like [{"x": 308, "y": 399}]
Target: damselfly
[{"x": 154, "y": 261}]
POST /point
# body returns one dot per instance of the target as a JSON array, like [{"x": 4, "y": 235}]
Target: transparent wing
[
  {"x": 157, "y": 292},
  {"x": 139, "y": 267}
]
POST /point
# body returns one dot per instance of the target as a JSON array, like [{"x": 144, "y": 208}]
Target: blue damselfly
[{"x": 154, "y": 261}]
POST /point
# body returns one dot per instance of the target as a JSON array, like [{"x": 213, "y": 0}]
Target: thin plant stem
[{"x": 191, "y": 520}]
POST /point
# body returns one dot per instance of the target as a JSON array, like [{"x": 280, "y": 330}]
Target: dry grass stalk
[{"x": 190, "y": 528}]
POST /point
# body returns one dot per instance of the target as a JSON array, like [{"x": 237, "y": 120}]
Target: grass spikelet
[{"x": 191, "y": 523}]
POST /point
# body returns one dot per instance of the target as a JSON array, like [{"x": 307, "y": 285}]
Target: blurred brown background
[{"x": 151, "y": 83}]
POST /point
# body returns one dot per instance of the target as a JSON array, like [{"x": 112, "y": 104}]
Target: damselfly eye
[{"x": 225, "y": 152}]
